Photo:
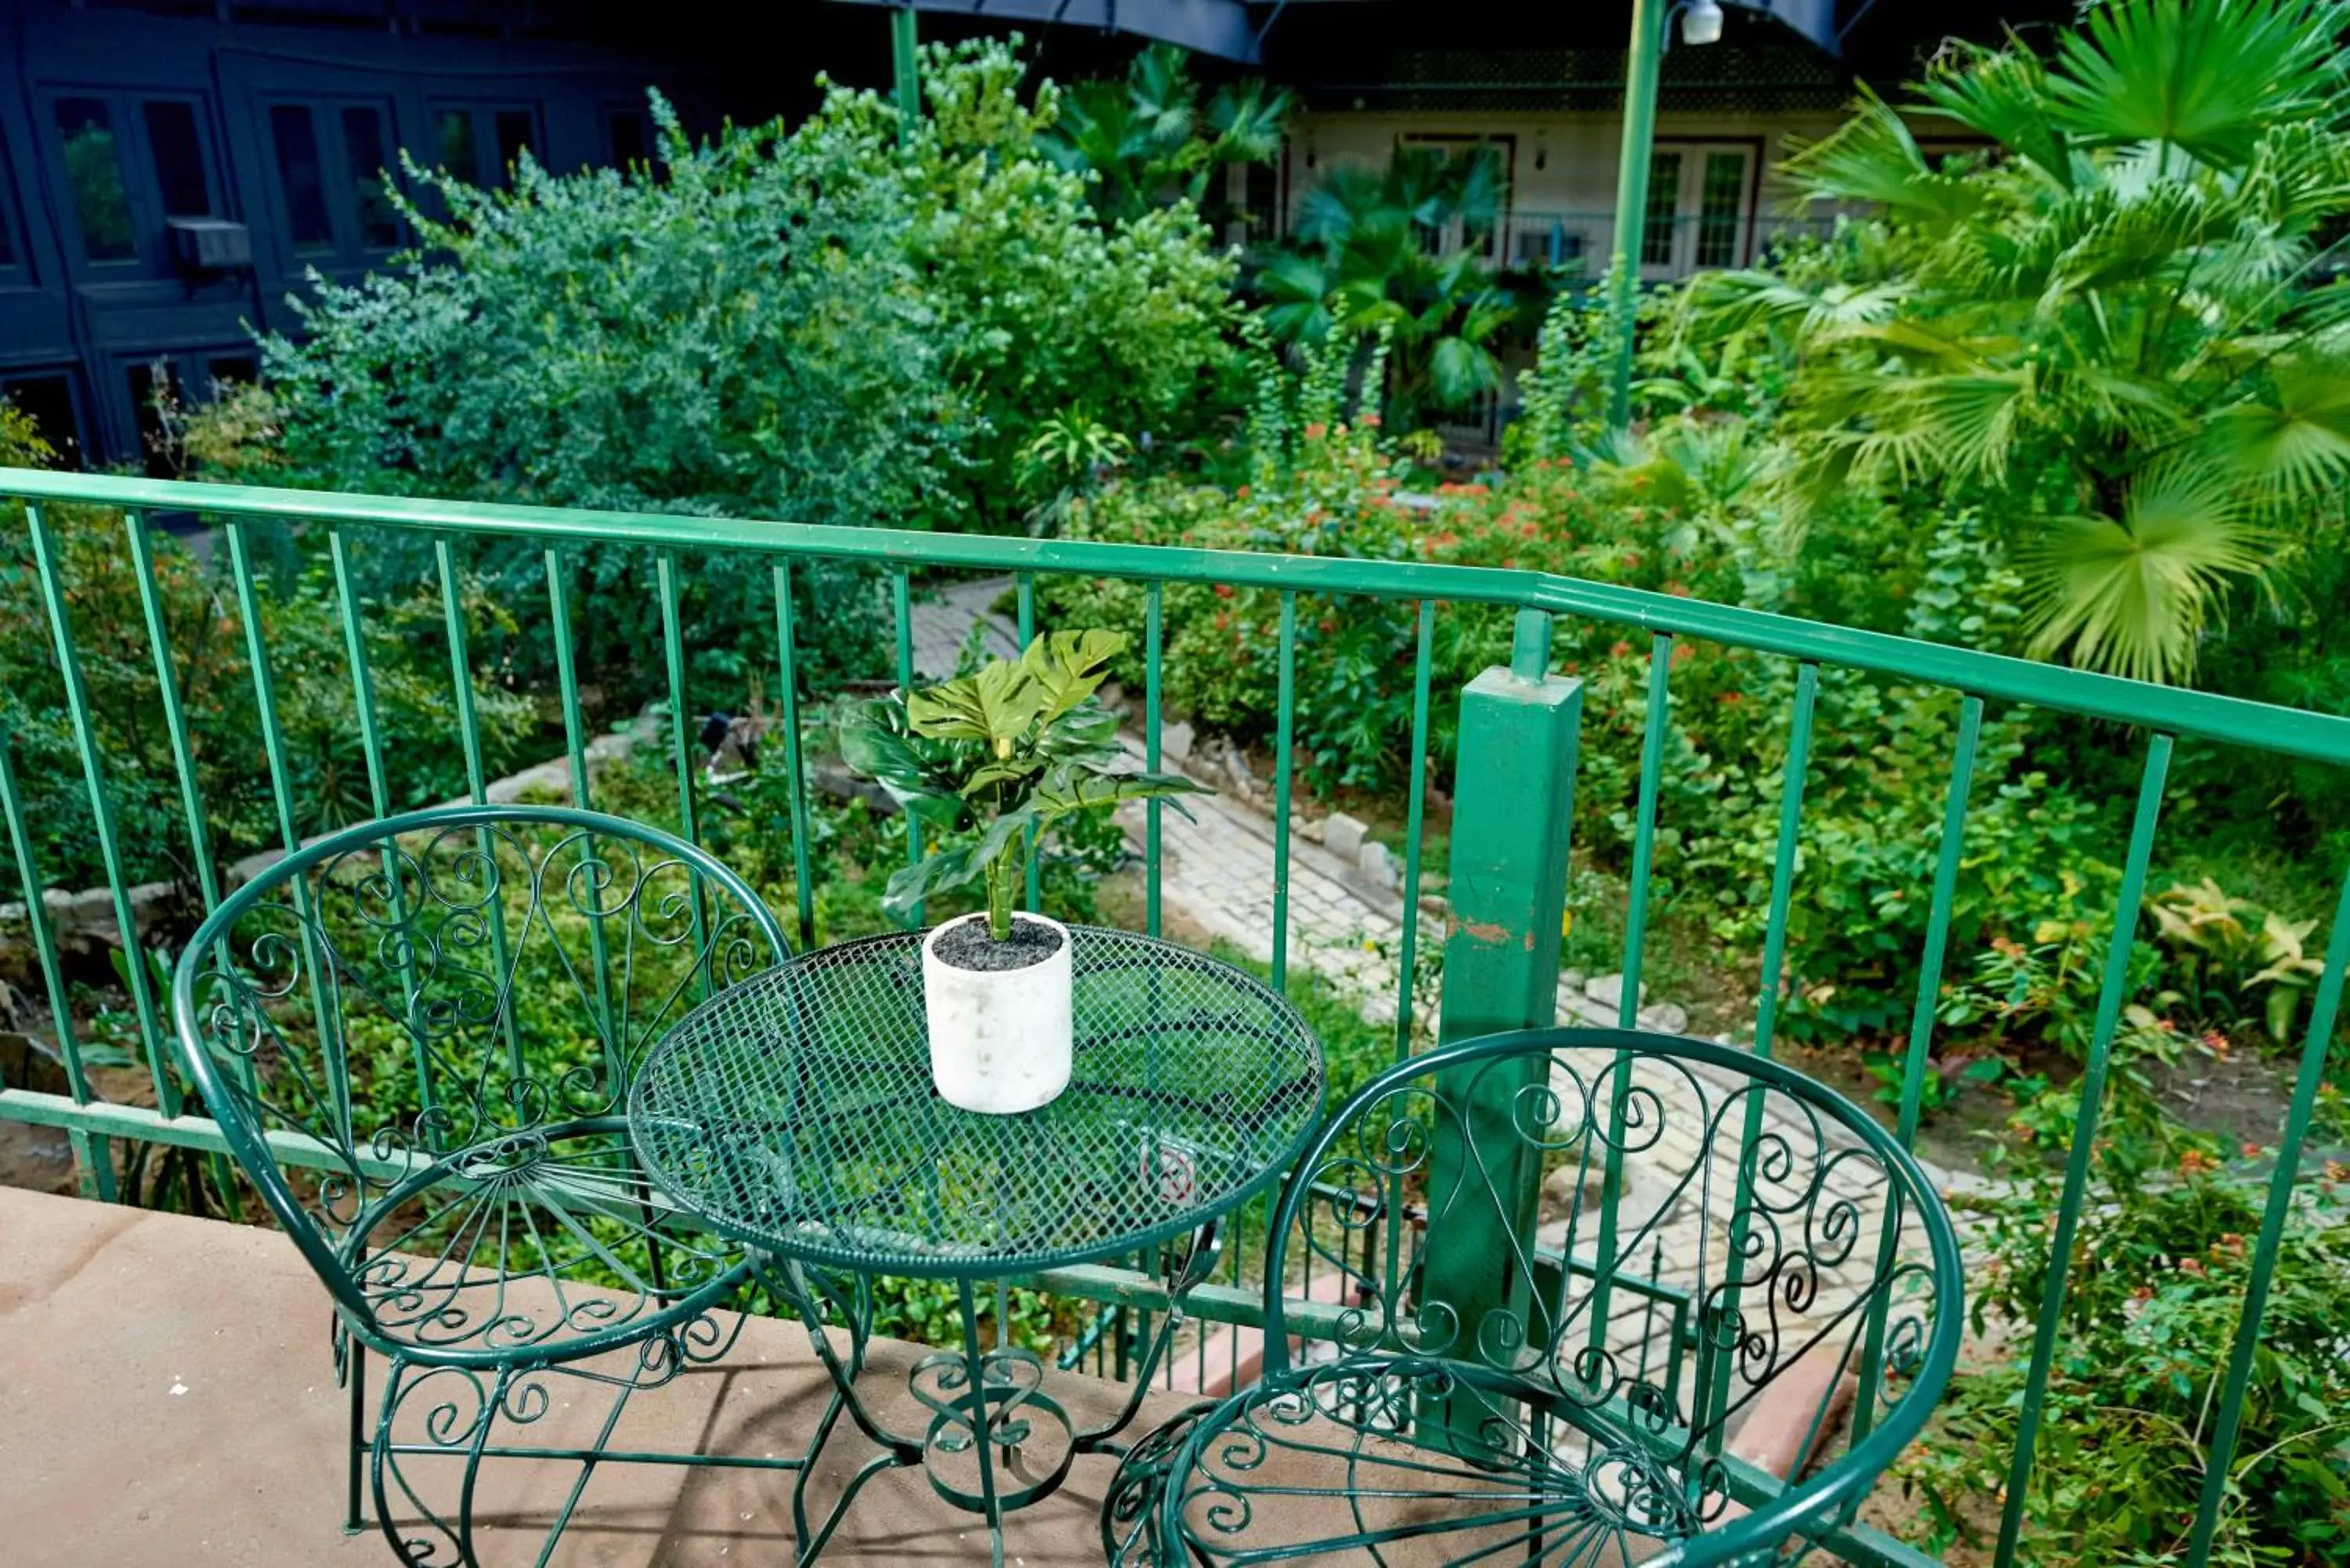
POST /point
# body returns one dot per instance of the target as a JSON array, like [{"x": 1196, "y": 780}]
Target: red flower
[
  {"x": 1620, "y": 649},
  {"x": 1224, "y": 590}
]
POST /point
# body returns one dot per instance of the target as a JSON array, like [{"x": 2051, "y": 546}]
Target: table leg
[
  {"x": 1179, "y": 1276},
  {"x": 975, "y": 1360},
  {"x": 992, "y": 1414}
]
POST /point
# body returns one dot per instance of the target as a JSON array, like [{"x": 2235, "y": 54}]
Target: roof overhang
[{"x": 1228, "y": 29}]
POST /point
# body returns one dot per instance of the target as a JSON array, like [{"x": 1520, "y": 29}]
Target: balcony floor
[{"x": 166, "y": 1396}]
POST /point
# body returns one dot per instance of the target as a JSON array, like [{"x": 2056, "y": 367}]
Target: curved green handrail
[{"x": 2291, "y": 731}]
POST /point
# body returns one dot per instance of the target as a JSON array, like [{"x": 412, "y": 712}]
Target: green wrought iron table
[{"x": 793, "y": 1111}]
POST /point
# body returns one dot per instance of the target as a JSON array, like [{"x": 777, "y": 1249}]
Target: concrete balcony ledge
[{"x": 166, "y": 1396}]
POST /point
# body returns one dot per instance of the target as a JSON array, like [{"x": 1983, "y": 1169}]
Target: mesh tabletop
[{"x": 794, "y": 1110}]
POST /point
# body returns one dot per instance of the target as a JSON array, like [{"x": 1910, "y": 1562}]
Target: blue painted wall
[{"x": 277, "y": 124}]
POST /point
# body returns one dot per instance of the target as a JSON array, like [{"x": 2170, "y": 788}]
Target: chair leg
[
  {"x": 460, "y": 1409},
  {"x": 358, "y": 1440}
]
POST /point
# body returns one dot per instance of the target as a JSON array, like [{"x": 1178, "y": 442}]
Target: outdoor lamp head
[{"x": 1701, "y": 22}]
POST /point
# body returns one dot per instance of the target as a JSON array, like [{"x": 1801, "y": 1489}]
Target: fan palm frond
[
  {"x": 2134, "y": 596},
  {"x": 2205, "y": 76}
]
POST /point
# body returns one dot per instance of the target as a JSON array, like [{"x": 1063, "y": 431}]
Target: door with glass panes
[{"x": 1700, "y": 203}]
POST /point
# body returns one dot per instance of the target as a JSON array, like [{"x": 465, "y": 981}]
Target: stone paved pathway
[{"x": 943, "y": 623}]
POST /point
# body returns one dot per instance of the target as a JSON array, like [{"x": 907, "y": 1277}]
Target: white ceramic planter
[{"x": 999, "y": 1039}]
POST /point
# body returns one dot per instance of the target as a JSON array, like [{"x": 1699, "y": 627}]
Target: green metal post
[
  {"x": 905, "y": 71},
  {"x": 1519, "y": 732},
  {"x": 1641, "y": 63}
]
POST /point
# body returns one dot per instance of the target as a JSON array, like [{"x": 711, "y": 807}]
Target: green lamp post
[
  {"x": 1700, "y": 24},
  {"x": 905, "y": 71}
]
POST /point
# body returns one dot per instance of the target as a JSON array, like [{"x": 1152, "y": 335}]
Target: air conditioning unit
[{"x": 209, "y": 245}]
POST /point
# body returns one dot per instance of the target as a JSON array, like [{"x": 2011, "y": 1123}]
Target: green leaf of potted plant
[{"x": 999, "y": 755}]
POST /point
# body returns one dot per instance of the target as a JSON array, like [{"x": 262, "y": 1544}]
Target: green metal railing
[{"x": 682, "y": 545}]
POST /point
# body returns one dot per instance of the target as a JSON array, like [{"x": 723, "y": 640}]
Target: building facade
[{"x": 170, "y": 174}]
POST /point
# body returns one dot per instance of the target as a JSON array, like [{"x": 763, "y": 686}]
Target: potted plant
[{"x": 996, "y": 758}]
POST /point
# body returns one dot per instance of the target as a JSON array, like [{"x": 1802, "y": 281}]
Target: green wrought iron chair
[
  {"x": 417, "y": 1036},
  {"x": 1569, "y": 1266}
]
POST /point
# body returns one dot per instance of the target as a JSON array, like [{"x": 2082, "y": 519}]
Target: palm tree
[
  {"x": 2117, "y": 327},
  {"x": 1149, "y": 141},
  {"x": 1365, "y": 261}
]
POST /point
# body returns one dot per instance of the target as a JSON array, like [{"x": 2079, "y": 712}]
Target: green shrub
[
  {"x": 2153, "y": 1301},
  {"x": 811, "y": 323}
]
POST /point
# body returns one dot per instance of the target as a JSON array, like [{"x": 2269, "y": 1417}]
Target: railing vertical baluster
[
  {"x": 322, "y": 983},
  {"x": 1284, "y": 742},
  {"x": 1026, "y": 591},
  {"x": 1152, "y": 847},
  {"x": 680, "y": 713},
  {"x": 901, "y": 598},
  {"x": 787, "y": 649},
  {"x": 575, "y": 747},
  {"x": 355, "y": 653},
  {"x": 1152, "y": 851},
  {"x": 95, "y": 1155},
  {"x": 461, "y": 671},
  {"x": 681, "y": 721},
  {"x": 477, "y": 782},
  {"x": 1635, "y": 937},
  {"x": 2126, "y": 911},
  {"x": 1921, "y": 1037},
  {"x": 175, "y": 712},
  {"x": 101, "y": 806},
  {"x": 362, "y": 680},
  {"x": 183, "y": 765},
  {"x": 1415, "y": 822},
  {"x": 2325, "y": 1006},
  {"x": 1644, "y": 832},
  {"x": 1715, "y": 1395}
]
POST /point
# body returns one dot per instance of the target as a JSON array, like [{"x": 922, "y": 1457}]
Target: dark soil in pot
[{"x": 966, "y": 944}]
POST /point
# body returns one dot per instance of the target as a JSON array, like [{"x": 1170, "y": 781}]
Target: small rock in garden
[
  {"x": 1665, "y": 1018},
  {"x": 1436, "y": 904},
  {"x": 1343, "y": 835},
  {"x": 1575, "y": 979},
  {"x": 1310, "y": 826},
  {"x": 1175, "y": 743},
  {"x": 1377, "y": 862},
  {"x": 1236, "y": 768},
  {"x": 1608, "y": 991}
]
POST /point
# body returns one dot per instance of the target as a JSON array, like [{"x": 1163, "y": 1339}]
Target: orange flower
[
  {"x": 1242, "y": 493},
  {"x": 1316, "y": 430},
  {"x": 1620, "y": 649}
]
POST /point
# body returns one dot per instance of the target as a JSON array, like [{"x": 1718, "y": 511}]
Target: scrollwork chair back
[
  {"x": 417, "y": 1036},
  {"x": 1527, "y": 1287}
]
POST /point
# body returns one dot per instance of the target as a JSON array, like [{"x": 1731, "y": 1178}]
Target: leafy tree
[
  {"x": 2114, "y": 330},
  {"x": 1365, "y": 262},
  {"x": 1147, "y": 141}
]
